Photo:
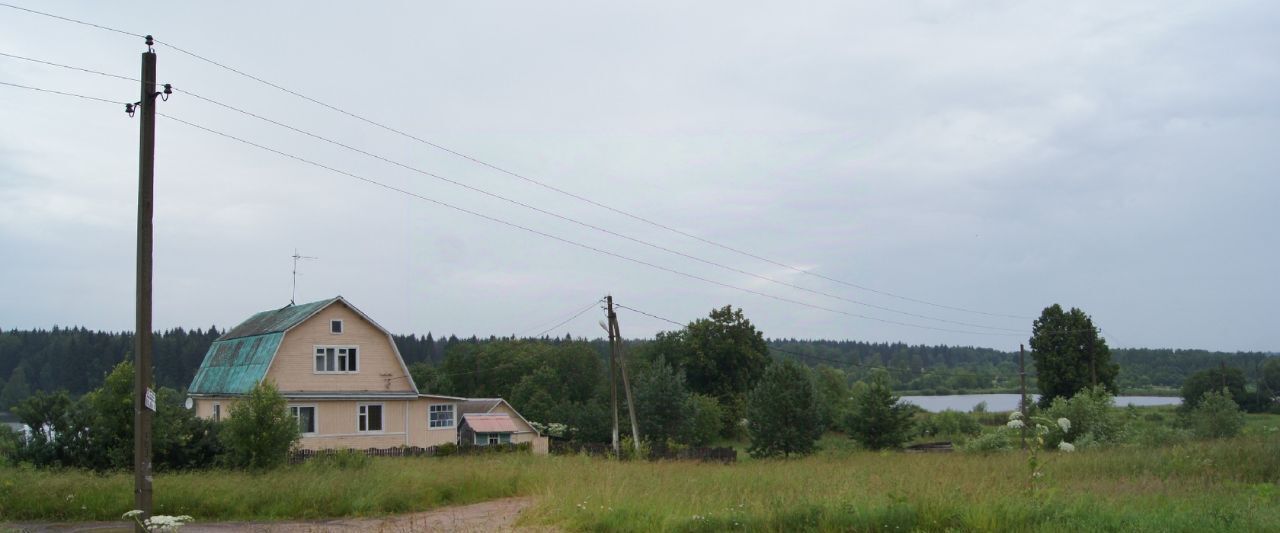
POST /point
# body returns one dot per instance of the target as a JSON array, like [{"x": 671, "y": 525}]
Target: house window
[
  {"x": 335, "y": 327},
  {"x": 486, "y": 439},
  {"x": 306, "y": 416},
  {"x": 337, "y": 359},
  {"x": 441, "y": 416},
  {"x": 217, "y": 412},
  {"x": 369, "y": 417}
]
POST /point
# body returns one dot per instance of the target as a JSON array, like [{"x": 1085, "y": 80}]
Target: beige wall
[
  {"x": 336, "y": 425},
  {"x": 293, "y": 368},
  {"x": 204, "y": 407},
  {"x": 420, "y": 432}
]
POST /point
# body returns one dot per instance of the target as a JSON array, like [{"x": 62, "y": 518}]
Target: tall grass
[{"x": 1198, "y": 486}]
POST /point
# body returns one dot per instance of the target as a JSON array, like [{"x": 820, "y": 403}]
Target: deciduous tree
[
  {"x": 782, "y": 415},
  {"x": 1069, "y": 354}
]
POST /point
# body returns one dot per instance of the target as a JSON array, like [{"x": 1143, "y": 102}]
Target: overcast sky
[{"x": 993, "y": 156}]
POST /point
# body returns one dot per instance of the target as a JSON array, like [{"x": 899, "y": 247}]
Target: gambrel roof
[{"x": 238, "y": 360}]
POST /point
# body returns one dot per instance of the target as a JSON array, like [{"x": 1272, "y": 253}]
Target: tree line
[{"x": 77, "y": 359}]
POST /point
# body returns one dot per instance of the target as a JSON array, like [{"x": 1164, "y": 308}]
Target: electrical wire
[
  {"x": 565, "y": 240},
  {"x": 921, "y": 372},
  {"x": 69, "y": 67},
  {"x": 570, "y": 319},
  {"x": 523, "y": 177},
  {"x": 62, "y": 93},
  {"x": 576, "y": 221}
]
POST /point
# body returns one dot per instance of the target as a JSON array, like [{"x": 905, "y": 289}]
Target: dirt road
[{"x": 496, "y": 515}]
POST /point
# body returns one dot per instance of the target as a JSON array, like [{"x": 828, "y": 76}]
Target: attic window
[
  {"x": 337, "y": 359},
  {"x": 335, "y": 327}
]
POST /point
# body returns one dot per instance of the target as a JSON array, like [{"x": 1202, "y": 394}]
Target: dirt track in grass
[{"x": 495, "y": 515}]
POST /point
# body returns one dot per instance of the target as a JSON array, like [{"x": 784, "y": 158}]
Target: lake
[{"x": 1009, "y": 402}]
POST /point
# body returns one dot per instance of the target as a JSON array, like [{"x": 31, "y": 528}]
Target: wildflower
[
  {"x": 1066, "y": 446},
  {"x": 1015, "y": 415},
  {"x": 1064, "y": 424},
  {"x": 133, "y": 513},
  {"x": 1015, "y": 424}
]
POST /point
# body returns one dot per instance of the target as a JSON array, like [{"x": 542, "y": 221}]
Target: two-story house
[{"x": 345, "y": 382}]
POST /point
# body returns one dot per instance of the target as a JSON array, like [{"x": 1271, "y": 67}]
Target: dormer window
[{"x": 335, "y": 327}]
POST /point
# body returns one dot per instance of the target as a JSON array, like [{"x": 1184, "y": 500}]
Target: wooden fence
[
  {"x": 300, "y": 456},
  {"x": 595, "y": 449}
]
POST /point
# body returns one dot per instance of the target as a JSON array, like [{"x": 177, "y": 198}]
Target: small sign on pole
[{"x": 150, "y": 400}]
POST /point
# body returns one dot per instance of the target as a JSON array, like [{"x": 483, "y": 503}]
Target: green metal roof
[
  {"x": 235, "y": 366},
  {"x": 239, "y": 359},
  {"x": 277, "y": 320}
]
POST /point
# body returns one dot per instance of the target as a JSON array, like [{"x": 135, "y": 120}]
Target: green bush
[
  {"x": 344, "y": 459},
  {"x": 949, "y": 423},
  {"x": 782, "y": 412},
  {"x": 1093, "y": 418},
  {"x": 705, "y": 420},
  {"x": 991, "y": 441},
  {"x": 260, "y": 432},
  {"x": 1216, "y": 416},
  {"x": 446, "y": 449}
]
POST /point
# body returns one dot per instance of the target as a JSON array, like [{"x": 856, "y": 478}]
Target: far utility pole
[
  {"x": 143, "y": 396},
  {"x": 615, "y": 350},
  {"x": 1022, "y": 402}
]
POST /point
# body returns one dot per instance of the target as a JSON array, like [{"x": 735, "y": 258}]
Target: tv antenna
[{"x": 293, "y": 295}]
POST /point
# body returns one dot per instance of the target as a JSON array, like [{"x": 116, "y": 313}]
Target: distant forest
[{"x": 77, "y": 359}]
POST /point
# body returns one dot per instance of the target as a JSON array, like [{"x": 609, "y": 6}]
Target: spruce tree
[{"x": 782, "y": 414}]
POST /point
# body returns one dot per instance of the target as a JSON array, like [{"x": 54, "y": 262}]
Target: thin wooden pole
[
  {"x": 613, "y": 374},
  {"x": 626, "y": 384},
  {"x": 142, "y": 330}
]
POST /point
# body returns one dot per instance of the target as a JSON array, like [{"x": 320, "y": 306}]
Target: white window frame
[
  {"x": 315, "y": 420},
  {"x": 362, "y": 411},
  {"x": 446, "y": 407},
  {"x": 337, "y": 357},
  {"x": 217, "y": 412},
  {"x": 337, "y": 322}
]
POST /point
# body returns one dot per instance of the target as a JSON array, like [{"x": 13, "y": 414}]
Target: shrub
[
  {"x": 989, "y": 442},
  {"x": 446, "y": 449},
  {"x": 1216, "y": 416},
  {"x": 344, "y": 459},
  {"x": 1092, "y": 414},
  {"x": 949, "y": 422},
  {"x": 704, "y": 421},
  {"x": 260, "y": 432}
]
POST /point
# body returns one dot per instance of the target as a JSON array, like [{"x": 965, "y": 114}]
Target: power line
[
  {"x": 70, "y": 67},
  {"x": 576, "y": 221},
  {"x": 62, "y": 93},
  {"x": 521, "y": 227},
  {"x": 921, "y": 372},
  {"x": 69, "y": 19},
  {"x": 570, "y": 319},
  {"x": 532, "y": 180},
  {"x": 565, "y": 240}
]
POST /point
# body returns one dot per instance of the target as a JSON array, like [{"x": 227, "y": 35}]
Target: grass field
[{"x": 1228, "y": 485}]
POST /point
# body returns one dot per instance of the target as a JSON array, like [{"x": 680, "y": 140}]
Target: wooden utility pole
[
  {"x": 1093, "y": 365},
  {"x": 626, "y": 383},
  {"x": 1022, "y": 401},
  {"x": 143, "y": 396},
  {"x": 613, "y": 375}
]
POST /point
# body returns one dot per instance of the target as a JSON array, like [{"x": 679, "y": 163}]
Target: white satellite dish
[{"x": 189, "y": 403}]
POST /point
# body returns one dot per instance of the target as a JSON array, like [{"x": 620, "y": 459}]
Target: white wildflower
[
  {"x": 133, "y": 513},
  {"x": 1066, "y": 446},
  {"x": 1064, "y": 424},
  {"x": 1016, "y": 415},
  {"x": 1015, "y": 424}
]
